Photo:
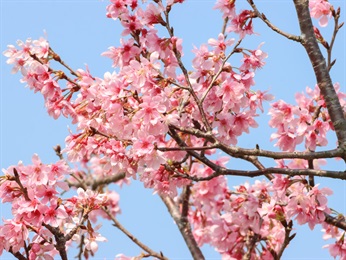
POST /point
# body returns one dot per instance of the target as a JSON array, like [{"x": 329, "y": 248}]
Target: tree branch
[
  {"x": 272, "y": 26},
  {"x": 218, "y": 171},
  {"x": 337, "y": 26},
  {"x": 184, "y": 228},
  {"x": 117, "y": 224},
  {"x": 60, "y": 240},
  {"x": 323, "y": 79},
  {"x": 238, "y": 151},
  {"x": 94, "y": 183}
]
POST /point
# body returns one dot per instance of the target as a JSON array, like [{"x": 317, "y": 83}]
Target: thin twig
[
  {"x": 337, "y": 26},
  {"x": 94, "y": 183},
  {"x": 22, "y": 188},
  {"x": 186, "y": 75},
  {"x": 235, "y": 48},
  {"x": 57, "y": 58},
  {"x": 272, "y": 26},
  {"x": 117, "y": 224}
]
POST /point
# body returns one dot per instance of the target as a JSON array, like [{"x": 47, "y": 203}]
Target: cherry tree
[{"x": 175, "y": 127}]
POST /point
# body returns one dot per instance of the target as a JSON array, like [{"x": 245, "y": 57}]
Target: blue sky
[{"x": 79, "y": 32}]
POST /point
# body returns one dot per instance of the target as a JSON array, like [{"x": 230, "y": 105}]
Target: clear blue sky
[{"x": 79, "y": 32}]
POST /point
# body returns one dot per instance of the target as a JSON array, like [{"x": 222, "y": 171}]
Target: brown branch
[
  {"x": 321, "y": 72},
  {"x": 218, "y": 171},
  {"x": 311, "y": 178},
  {"x": 288, "y": 237},
  {"x": 337, "y": 26},
  {"x": 225, "y": 21},
  {"x": 184, "y": 228},
  {"x": 202, "y": 148},
  {"x": 186, "y": 75},
  {"x": 117, "y": 224},
  {"x": 57, "y": 150},
  {"x": 23, "y": 189},
  {"x": 252, "y": 240},
  {"x": 185, "y": 202},
  {"x": 17, "y": 255},
  {"x": 96, "y": 182},
  {"x": 335, "y": 222},
  {"x": 57, "y": 58},
  {"x": 237, "y": 151},
  {"x": 60, "y": 240},
  {"x": 272, "y": 26}
]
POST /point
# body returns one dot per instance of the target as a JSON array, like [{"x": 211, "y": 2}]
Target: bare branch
[
  {"x": 184, "y": 228},
  {"x": 237, "y": 151},
  {"x": 291, "y": 172},
  {"x": 337, "y": 26},
  {"x": 272, "y": 26},
  {"x": 117, "y": 224}
]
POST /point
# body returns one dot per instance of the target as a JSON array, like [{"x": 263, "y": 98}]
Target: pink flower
[
  {"x": 123, "y": 257},
  {"x": 281, "y": 113},
  {"x": 152, "y": 14},
  {"x": 254, "y": 60},
  {"x": 242, "y": 24},
  {"x": 256, "y": 99},
  {"x": 130, "y": 23},
  {"x": 220, "y": 44},
  {"x": 54, "y": 215},
  {"x": 143, "y": 144},
  {"x": 320, "y": 9},
  {"x": 227, "y": 8},
  {"x": 287, "y": 139},
  {"x": 15, "y": 233},
  {"x": 41, "y": 251},
  {"x": 151, "y": 110},
  {"x": 41, "y": 48},
  {"x": 117, "y": 8}
]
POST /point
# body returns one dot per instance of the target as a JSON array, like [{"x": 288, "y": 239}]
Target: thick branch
[
  {"x": 321, "y": 71},
  {"x": 184, "y": 229},
  {"x": 335, "y": 222},
  {"x": 60, "y": 240},
  {"x": 17, "y": 255}
]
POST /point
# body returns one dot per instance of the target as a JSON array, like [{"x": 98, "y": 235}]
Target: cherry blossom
[
  {"x": 320, "y": 9},
  {"x": 174, "y": 127}
]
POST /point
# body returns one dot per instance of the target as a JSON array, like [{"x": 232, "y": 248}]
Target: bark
[
  {"x": 184, "y": 228},
  {"x": 321, "y": 72}
]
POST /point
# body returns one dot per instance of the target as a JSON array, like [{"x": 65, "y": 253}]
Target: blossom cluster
[
  {"x": 307, "y": 122},
  {"x": 141, "y": 119},
  {"x": 127, "y": 116},
  {"x": 228, "y": 219},
  {"x": 40, "y": 213},
  {"x": 322, "y": 10}
]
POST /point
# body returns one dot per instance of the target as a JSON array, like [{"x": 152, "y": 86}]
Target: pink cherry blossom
[
  {"x": 242, "y": 24},
  {"x": 220, "y": 44},
  {"x": 320, "y": 9}
]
